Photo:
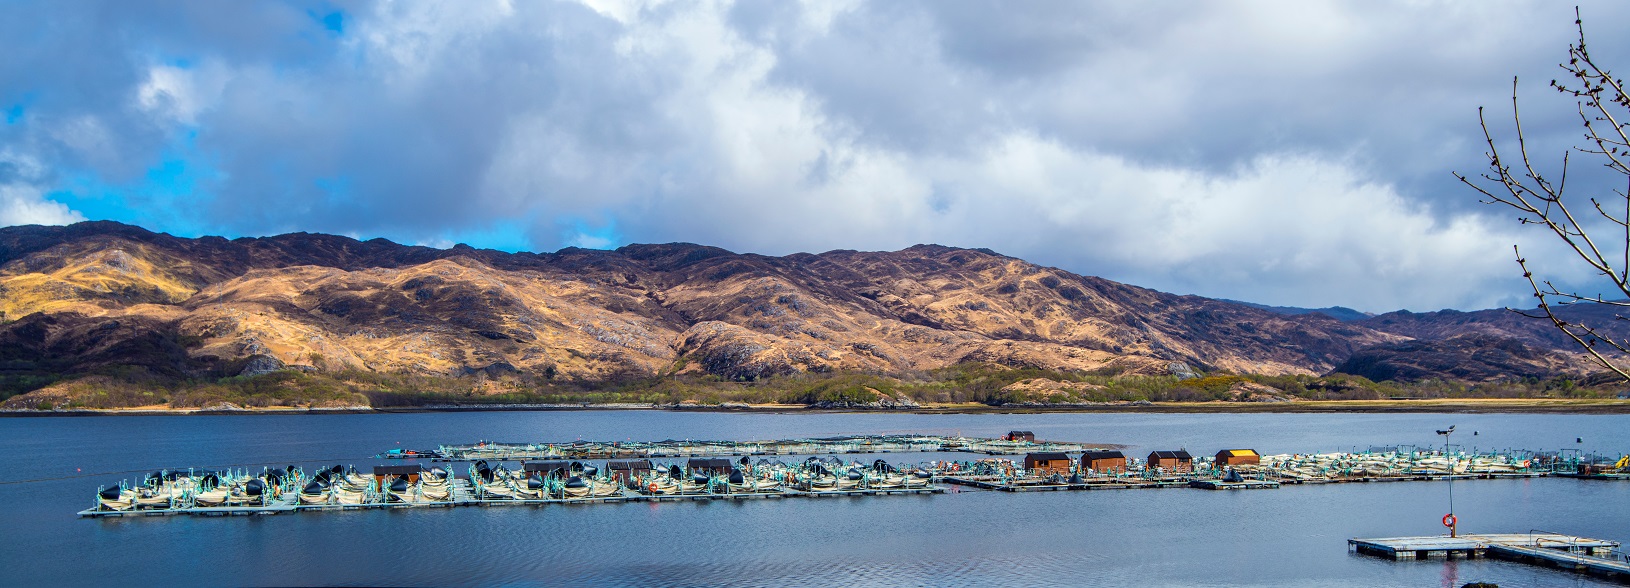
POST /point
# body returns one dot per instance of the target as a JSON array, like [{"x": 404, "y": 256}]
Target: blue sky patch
[
  {"x": 589, "y": 236},
  {"x": 506, "y": 235},
  {"x": 333, "y": 22},
  {"x": 167, "y": 197},
  {"x": 14, "y": 113}
]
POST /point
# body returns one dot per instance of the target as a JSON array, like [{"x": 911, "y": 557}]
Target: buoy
[{"x": 1449, "y": 520}]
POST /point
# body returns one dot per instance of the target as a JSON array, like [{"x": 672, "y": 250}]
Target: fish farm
[
  {"x": 1013, "y": 443},
  {"x": 585, "y": 472}
]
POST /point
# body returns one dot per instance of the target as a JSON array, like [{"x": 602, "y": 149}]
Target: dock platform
[
  {"x": 1243, "y": 485},
  {"x": 1548, "y": 549},
  {"x": 1041, "y": 485}
]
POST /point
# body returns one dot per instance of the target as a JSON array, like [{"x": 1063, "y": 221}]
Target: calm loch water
[{"x": 1176, "y": 537}]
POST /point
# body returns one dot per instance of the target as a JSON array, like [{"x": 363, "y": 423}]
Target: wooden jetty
[{"x": 1547, "y": 549}]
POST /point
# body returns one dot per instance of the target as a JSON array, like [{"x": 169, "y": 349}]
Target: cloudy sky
[{"x": 1294, "y": 153}]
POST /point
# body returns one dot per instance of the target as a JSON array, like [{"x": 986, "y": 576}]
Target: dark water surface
[{"x": 1294, "y": 536}]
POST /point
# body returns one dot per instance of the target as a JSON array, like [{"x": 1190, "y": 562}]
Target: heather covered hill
[
  {"x": 121, "y": 302},
  {"x": 1445, "y": 324},
  {"x": 1473, "y": 357}
]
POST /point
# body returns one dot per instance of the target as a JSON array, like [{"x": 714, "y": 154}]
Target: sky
[{"x": 1291, "y": 153}]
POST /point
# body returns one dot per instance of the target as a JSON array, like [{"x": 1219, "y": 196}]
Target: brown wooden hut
[
  {"x": 1234, "y": 457},
  {"x": 709, "y": 465},
  {"x": 1171, "y": 461},
  {"x": 1104, "y": 461},
  {"x": 1020, "y": 436},
  {"x": 624, "y": 470},
  {"x": 1042, "y": 464}
]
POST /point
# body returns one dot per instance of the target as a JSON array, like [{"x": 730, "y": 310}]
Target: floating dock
[
  {"x": 1242, "y": 485},
  {"x": 464, "y": 495},
  {"x": 1567, "y": 552},
  {"x": 1365, "y": 479},
  {"x": 1389, "y": 464},
  {"x": 1004, "y": 484}
]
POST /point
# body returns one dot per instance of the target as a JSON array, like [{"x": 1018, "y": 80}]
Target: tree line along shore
[{"x": 959, "y": 388}]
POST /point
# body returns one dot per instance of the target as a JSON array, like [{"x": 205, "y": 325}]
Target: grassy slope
[{"x": 110, "y": 275}]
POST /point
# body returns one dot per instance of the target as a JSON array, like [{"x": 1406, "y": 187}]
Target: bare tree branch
[{"x": 1601, "y": 103}]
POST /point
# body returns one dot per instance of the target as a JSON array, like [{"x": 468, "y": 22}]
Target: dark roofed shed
[
  {"x": 1047, "y": 463},
  {"x": 709, "y": 465},
  {"x": 1174, "y": 461},
  {"x": 1103, "y": 461},
  {"x": 628, "y": 469}
]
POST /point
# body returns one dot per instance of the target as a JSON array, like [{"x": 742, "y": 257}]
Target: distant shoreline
[{"x": 1448, "y": 405}]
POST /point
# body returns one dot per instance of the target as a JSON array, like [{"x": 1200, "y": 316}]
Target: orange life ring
[{"x": 1449, "y": 520}]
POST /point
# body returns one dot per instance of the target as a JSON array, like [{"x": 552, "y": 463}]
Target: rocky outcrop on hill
[{"x": 260, "y": 364}]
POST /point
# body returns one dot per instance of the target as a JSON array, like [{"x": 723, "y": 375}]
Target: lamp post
[{"x": 1449, "y": 520}]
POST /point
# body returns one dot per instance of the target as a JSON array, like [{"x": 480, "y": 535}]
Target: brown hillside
[{"x": 95, "y": 295}]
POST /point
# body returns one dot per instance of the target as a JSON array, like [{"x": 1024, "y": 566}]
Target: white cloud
[
  {"x": 22, "y": 202},
  {"x": 25, "y": 205},
  {"x": 1284, "y": 229},
  {"x": 1290, "y": 154},
  {"x": 777, "y": 174},
  {"x": 176, "y": 94}
]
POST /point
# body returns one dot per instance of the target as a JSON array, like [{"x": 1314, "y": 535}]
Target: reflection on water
[{"x": 1290, "y": 536}]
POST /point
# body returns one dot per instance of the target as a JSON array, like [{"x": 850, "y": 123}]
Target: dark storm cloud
[
  {"x": 1194, "y": 84},
  {"x": 1293, "y": 153}
]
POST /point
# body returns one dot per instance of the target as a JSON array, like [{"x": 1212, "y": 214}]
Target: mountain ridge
[
  {"x": 99, "y": 296},
  {"x": 1340, "y": 313}
]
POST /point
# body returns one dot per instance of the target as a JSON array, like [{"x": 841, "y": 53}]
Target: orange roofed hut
[{"x": 1237, "y": 457}]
